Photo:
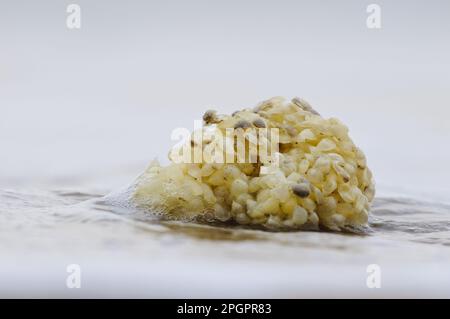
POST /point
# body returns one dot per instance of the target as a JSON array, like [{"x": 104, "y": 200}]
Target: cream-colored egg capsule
[{"x": 313, "y": 178}]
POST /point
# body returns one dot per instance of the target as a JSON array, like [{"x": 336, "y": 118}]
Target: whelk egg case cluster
[{"x": 320, "y": 180}]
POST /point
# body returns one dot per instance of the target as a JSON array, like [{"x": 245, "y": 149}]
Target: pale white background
[
  {"x": 99, "y": 103},
  {"x": 88, "y": 109}
]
